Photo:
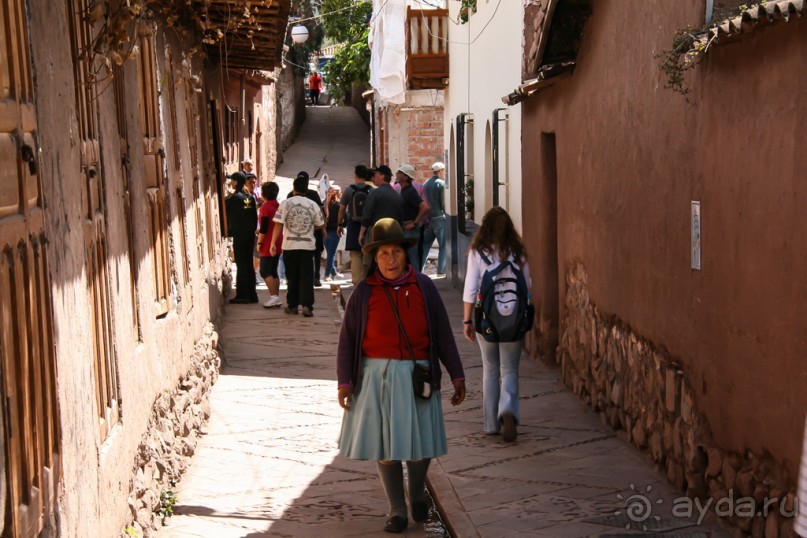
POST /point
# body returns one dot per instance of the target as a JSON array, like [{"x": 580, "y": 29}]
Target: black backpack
[
  {"x": 503, "y": 310},
  {"x": 357, "y": 201}
]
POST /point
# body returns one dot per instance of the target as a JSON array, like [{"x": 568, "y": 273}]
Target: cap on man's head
[
  {"x": 240, "y": 178},
  {"x": 408, "y": 170},
  {"x": 247, "y": 161},
  {"x": 384, "y": 169},
  {"x": 302, "y": 173},
  {"x": 438, "y": 166}
]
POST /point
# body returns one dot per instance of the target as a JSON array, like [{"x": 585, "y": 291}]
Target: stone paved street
[{"x": 267, "y": 465}]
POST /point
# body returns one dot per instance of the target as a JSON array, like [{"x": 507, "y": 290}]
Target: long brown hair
[{"x": 498, "y": 234}]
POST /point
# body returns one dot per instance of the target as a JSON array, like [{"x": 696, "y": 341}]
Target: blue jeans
[
  {"x": 331, "y": 243},
  {"x": 499, "y": 381},
  {"x": 435, "y": 229},
  {"x": 412, "y": 251}
]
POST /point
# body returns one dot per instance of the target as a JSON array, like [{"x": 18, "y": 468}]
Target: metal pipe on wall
[{"x": 495, "y": 151}]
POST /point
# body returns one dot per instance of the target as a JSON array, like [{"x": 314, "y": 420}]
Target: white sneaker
[
  {"x": 274, "y": 301},
  {"x": 339, "y": 275},
  {"x": 327, "y": 278}
]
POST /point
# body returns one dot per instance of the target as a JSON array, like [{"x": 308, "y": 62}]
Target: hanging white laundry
[{"x": 387, "y": 41}]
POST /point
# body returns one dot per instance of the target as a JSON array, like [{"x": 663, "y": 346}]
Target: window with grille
[
  {"x": 95, "y": 231},
  {"x": 30, "y": 411},
  {"x": 154, "y": 179}
]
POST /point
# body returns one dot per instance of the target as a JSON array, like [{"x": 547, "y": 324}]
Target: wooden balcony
[{"x": 427, "y": 48}]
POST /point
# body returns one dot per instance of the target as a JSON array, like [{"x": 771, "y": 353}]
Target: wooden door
[
  {"x": 95, "y": 229},
  {"x": 29, "y": 404},
  {"x": 154, "y": 178}
]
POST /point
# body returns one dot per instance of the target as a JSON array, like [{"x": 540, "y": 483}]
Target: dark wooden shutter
[{"x": 30, "y": 408}]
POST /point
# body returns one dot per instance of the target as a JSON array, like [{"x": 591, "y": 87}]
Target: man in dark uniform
[{"x": 242, "y": 221}]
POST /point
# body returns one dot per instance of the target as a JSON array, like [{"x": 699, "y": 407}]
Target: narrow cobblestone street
[{"x": 267, "y": 465}]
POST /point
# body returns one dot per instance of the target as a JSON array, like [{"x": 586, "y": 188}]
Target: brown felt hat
[{"x": 388, "y": 232}]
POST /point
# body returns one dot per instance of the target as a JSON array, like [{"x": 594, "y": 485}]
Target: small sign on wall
[{"x": 695, "y": 219}]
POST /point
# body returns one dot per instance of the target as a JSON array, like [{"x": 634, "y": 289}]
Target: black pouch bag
[{"x": 422, "y": 381}]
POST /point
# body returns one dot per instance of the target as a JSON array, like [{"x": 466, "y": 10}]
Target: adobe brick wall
[{"x": 647, "y": 397}]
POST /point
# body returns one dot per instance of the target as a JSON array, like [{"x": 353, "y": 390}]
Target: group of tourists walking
[{"x": 396, "y": 335}]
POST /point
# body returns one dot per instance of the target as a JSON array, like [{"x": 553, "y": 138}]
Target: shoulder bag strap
[{"x": 397, "y": 317}]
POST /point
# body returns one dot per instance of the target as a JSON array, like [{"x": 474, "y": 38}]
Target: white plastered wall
[{"x": 485, "y": 65}]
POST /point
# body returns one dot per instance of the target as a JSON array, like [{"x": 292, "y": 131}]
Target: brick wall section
[
  {"x": 644, "y": 394},
  {"x": 424, "y": 137},
  {"x": 425, "y": 141}
]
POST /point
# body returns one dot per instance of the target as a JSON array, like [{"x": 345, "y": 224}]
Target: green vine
[
  {"x": 688, "y": 48},
  {"x": 469, "y": 198}
]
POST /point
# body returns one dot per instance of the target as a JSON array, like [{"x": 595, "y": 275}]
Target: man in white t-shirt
[{"x": 299, "y": 219}]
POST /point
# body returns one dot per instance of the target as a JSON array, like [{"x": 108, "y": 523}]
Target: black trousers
[
  {"x": 320, "y": 246},
  {"x": 299, "y": 277},
  {"x": 245, "y": 279}
]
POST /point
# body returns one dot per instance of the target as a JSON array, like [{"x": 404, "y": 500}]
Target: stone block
[
  {"x": 681, "y": 447},
  {"x": 715, "y": 456},
  {"x": 744, "y": 483},
  {"x": 667, "y": 438},
  {"x": 614, "y": 418},
  {"x": 638, "y": 435},
  {"x": 789, "y": 503},
  {"x": 675, "y": 474},
  {"x": 757, "y": 527},
  {"x": 656, "y": 450},
  {"x": 696, "y": 485},
  {"x": 687, "y": 412},
  {"x": 616, "y": 393},
  {"x": 786, "y": 528},
  {"x": 729, "y": 473},
  {"x": 672, "y": 390}
]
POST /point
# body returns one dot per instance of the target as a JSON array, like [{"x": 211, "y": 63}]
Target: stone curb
[{"x": 451, "y": 509}]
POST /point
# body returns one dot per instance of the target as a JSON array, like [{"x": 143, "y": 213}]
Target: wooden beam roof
[{"x": 253, "y": 41}]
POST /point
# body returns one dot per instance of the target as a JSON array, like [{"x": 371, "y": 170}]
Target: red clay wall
[{"x": 631, "y": 156}]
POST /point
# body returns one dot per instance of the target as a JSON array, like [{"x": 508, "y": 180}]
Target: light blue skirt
[{"x": 387, "y": 422}]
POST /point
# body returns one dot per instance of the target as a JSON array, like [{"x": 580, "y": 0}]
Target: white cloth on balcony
[{"x": 388, "y": 51}]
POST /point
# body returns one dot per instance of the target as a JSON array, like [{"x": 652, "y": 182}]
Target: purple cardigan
[{"x": 443, "y": 346}]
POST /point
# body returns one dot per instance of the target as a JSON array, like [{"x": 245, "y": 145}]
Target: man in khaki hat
[
  {"x": 434, "y": 190},
  {"x": 414, "y": 210}
]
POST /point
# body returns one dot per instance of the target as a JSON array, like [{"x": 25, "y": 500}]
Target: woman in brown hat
[{"x": 395, "y": 327}]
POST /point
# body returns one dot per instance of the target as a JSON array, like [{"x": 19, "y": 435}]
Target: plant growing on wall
[
  {"x": 469, "y": 198},
  {"x": 167, "y": 501},
  {"x": 467, "y": 8},
  {"x": 689, "y": 46}
]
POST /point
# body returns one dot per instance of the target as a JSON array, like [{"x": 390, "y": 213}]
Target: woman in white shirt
[{"x": 495, "y": 241}]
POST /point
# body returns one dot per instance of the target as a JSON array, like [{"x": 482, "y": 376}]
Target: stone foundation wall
[
  {"x": 170, "y": 440},
  {"x": 645, "y": 395}
]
